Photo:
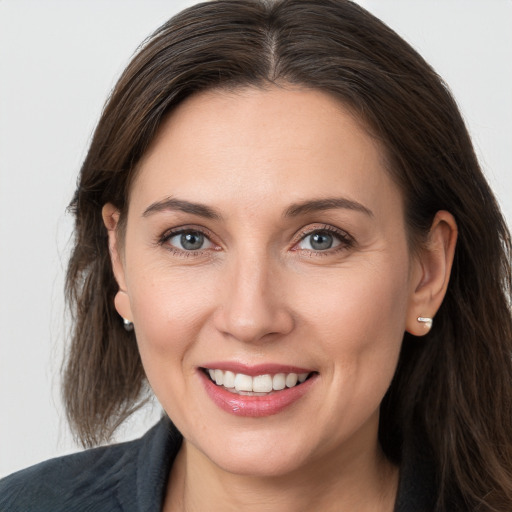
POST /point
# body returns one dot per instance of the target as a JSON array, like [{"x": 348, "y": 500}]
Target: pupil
[
  {"x": 192, "y": 241},
  {"x": 321, "y": 241}
]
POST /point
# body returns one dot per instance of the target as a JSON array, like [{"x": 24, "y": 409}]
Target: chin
[
  {"x": 257, "y": 454},
  {"x": 259, "y": 465}
]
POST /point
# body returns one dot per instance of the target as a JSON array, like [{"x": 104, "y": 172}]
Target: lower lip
[{"x": 255, "y": 406}]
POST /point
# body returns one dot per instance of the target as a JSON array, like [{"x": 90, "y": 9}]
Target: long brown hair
[{"x": 452, "y": 392}]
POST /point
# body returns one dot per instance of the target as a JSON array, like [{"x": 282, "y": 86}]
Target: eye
[
  {"x": 319, "y": 241},
  {"x": 322, "y": 240},
  {"x": 189, "y": 240}
]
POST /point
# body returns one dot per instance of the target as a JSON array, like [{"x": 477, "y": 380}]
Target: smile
[
  {"x": 268, "y": 390},
  {"x": 258, "y": 385}
]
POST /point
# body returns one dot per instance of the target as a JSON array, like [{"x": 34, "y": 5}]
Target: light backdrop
[{"x": 58, "y": 62}]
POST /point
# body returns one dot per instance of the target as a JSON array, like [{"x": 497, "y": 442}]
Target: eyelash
[
  {"x": 346, "y": 241},
  {"x": 164, "y": 239}
]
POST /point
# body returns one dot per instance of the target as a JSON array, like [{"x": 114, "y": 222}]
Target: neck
[{"x": 366, "y": 483}]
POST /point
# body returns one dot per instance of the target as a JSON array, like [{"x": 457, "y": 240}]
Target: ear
[
  {"x": 111, "y": 216},
  {"x": 431, "y": 273}
]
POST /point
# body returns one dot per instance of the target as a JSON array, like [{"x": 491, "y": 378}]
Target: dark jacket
[{"x": 132, "y": 476}]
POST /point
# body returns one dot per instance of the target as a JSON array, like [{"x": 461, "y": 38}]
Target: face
[{"x": 265, "y": 246}]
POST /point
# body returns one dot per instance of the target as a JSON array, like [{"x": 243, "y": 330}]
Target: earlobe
[
  {"x": 122, "y": 304},
  {"x": 433, "y": 266},
  {"x": 111, "y": 216}
]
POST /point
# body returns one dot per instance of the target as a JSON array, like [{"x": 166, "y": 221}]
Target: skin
[{"x": 257, "y": 293}]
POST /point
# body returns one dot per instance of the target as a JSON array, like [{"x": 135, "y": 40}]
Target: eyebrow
[
  {"x": 294, "y": 210},
  {"x": 331, "y": 203},
  {"x": 173, "y": 204}
]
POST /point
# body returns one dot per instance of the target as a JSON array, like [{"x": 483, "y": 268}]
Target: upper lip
[{"x": 257, "y": 369}]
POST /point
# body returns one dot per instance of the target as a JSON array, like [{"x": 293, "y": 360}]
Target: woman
[{"x": 277, "y": 201}]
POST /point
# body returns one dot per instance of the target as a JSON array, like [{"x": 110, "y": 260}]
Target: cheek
[
  {"x": 169, "y": 309},
  {"x": 359, "y": 321},
  {"x": 359, "y": 305}
]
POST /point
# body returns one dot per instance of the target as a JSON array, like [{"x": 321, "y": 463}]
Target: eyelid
[
  {"x": 187, "y": 228},
  {"x": 346, "y": 240}
]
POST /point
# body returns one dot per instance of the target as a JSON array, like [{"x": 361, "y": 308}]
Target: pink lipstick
[{"x": 255, "y": 391}]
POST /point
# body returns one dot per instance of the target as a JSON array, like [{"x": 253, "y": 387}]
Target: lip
[
  {"x": 255, "y": 406},
  {"x": 253, "y": 370}
]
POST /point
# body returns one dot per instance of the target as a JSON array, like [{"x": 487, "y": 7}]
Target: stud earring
[
  {"x": 426, "y": 321},
  {"x": 128, "y": 326}
]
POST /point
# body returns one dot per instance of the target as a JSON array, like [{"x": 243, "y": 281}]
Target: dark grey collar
[{"x": 144, "y": 490}]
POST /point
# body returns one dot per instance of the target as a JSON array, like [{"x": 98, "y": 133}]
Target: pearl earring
[
  {"x": 426, "y": 321},
  {"x": 127, "y": 325}
]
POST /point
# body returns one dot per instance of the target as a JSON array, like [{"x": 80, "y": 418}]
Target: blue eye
[
  {"x": 322, "y": 240},
  {"x": 190, "y": 241}
]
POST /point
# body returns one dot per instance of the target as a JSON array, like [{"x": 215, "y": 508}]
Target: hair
[{"x": 452, "y": 393}]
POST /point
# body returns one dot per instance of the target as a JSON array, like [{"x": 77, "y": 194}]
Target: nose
[{"x": 252, "y": 305}]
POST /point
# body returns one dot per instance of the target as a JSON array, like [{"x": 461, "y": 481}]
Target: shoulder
[
  {"x": 67, "y": 483},
  {"x": 100, "y": 479}
]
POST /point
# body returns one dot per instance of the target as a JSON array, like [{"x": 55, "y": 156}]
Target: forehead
[{"x": 251, "y": 144}]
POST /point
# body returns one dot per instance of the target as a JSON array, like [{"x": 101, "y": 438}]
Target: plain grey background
[{"x": 58, "y": 62}]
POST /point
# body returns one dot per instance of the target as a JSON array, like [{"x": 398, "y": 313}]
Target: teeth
[
  {"x": 219, "y": 377},
  {"x": 262, "y": 383},
  {"x": 258, "y": 384},
  {"x": 229, "y": 379},
  {"x": 291, "y": 379},
  {"x": 242, "y": 382},
  {"x": 279, "y": 381}
]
